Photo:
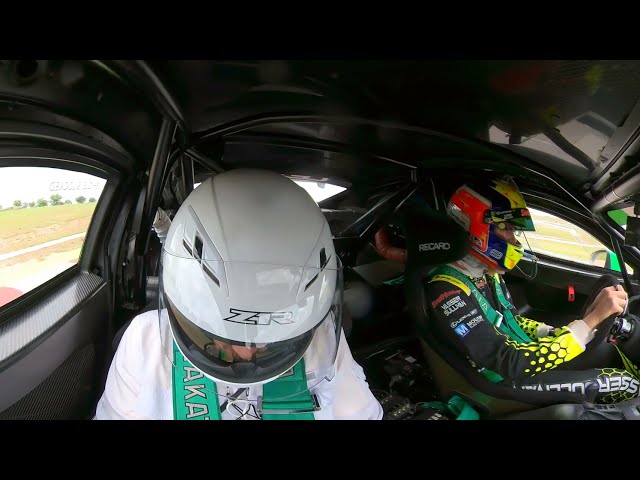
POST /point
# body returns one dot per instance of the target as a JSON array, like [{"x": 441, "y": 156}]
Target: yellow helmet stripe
[{"x": 511, "y": 192}]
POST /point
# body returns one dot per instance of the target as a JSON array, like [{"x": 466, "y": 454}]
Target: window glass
[
  {"x": 558, "y": 238},
  {"x": 320, "y": 191},
  {"x": 44, "y": 216}
]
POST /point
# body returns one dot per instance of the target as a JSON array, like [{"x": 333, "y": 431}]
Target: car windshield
[{"x": 319, "y": 191}]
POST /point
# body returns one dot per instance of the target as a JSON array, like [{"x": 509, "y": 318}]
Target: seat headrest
[{"x": 433, "y": 238}]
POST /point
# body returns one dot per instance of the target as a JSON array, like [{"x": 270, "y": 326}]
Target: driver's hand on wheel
[{"x": 610, "y": 301}]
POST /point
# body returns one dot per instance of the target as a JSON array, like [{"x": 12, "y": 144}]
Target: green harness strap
[
  {"x": 462, "y": 409},
  {"x": 506, "y": 321},
  {"x": 287, "y": 397},
  {"x": 195, "y": 396},
  {"x": 457, "y": 406}
]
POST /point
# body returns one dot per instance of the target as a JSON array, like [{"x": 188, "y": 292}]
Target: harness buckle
[{"x": 261, "y": 411}]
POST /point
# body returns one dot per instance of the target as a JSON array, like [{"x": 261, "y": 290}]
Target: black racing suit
[{"x": 553, "y": 362}]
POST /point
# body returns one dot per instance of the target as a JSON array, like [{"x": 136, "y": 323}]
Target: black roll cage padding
[
  {"x": 354, "y": 236},
  {"x": 383, "y": 209},
  {"x": 617, "y": 248}
]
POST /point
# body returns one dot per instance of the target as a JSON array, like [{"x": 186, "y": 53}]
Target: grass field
[
  {"x": 25, "y": 227},
  {"x": 42, "y": 253},
  {"x": 577, "y": 252},
  {"x": 32, "y": 272},
  {"x": 546, "y": 225}
]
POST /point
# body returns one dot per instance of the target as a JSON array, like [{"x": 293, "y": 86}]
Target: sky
[{"x": 28, "y": 184}]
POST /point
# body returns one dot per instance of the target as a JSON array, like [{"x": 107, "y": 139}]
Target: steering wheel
[
  {"x": 633, "y": 306},
  {"x": 623, "y": 326}
]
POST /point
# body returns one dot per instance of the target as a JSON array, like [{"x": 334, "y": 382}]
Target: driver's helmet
[
  {"x": 493, "y": 214},
  {"x": 249, "y": 276}
]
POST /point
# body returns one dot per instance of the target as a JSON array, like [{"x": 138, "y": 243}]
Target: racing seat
[{"x": 434, "y": 239}]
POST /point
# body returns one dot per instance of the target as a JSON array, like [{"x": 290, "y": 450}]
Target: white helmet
[{"x": 249, "y": 276}]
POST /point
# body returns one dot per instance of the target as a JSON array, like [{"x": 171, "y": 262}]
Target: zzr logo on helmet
[
  {"x": 426, "y": 247},
  {"x": 259, "y": 318}
]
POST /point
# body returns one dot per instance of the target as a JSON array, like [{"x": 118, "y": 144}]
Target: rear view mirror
[
  {"x": 632, "y": 233},
  {"x": 612, "y": 262},
  {"x": 606, "y": 259}
]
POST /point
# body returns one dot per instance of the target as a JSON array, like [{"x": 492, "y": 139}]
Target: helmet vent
[
  {"x": 210, "y": 274},
  {"x": 198, "y": 246},
  {"x": 323, "y": 259},
  {"x": 197, "y": 250},
  {"x": 187, "y": 247},
  {"x": 323, "y": 263}
]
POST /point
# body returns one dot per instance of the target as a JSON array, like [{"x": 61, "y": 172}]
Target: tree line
[{"x": 54, "y": 199}]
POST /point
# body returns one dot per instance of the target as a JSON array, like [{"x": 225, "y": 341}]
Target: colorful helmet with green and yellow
[{"x": 493, "y": 214}]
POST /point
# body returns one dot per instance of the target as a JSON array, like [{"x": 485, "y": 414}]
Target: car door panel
[
  {"x": 54, "y": 338},
  {"x": 52, "y": 354}
]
